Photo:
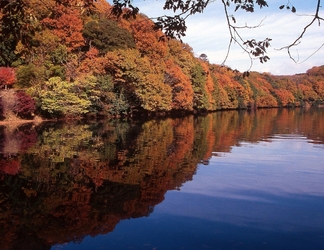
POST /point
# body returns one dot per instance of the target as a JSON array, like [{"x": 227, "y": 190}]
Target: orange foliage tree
[
  {"x": 182, "y": 92},
  {"x": 92, "y": 63},
  {"x": 148, "y": 41},
  {"x": 67, "y": 25},
  {"x": 7, "y": 76},
  {"x": 319, "y": 88},
  {"x": 285, "y": 98},
  {"x": 309, "y": 95}
]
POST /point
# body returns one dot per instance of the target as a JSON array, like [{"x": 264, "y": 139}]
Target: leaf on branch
[
  {"x": 120, "y": 5},
  {"x": 262, "y": 3},
  {"x": 246, "y": 74},
  {"x": 173, "y": 26},
  {"x": 264, "y": 59},
  {"x": 288, "y": 7}
]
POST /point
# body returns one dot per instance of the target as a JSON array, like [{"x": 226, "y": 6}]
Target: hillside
[{"x": 79, "y": 62}]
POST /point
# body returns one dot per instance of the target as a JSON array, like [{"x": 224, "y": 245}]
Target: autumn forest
[{"x": 76, "y": 62}]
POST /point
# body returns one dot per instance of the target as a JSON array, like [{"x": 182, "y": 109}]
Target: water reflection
[{"x": 61, "y": 182}]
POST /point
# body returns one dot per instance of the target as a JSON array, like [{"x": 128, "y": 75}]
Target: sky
[{"x": 208, "y": 33}]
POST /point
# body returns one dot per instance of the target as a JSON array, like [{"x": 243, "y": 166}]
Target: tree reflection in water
[{"x": 60, "y": 182}]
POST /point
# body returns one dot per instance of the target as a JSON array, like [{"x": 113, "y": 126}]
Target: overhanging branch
[{"x": 299, "y": 38}]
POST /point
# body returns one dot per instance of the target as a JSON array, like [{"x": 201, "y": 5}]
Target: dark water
[{"x": 228, "y": 180}]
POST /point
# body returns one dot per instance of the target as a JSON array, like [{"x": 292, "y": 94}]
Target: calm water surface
[{"x": 228, "y": 180}]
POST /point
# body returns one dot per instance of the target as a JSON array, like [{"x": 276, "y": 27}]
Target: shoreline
[{"x": 20, "y": 121}]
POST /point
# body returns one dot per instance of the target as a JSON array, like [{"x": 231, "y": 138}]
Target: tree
[
  {"x": 284, "y": 97},
  {"x": 182, "y": 92},
  {"x": 11, "y": 26},
  {"x": 18, "y": 17},
  {"x": 7, "y": 76},
  {"x": 25, "y": 106},
  {"x": 67, "y": 25},
  {"x": 134, "y": 76},
  {"x": 18, "y": 21},
  {"x": 63, "y": 98},
  {"x": 27, "y": 75},
  {"x": 106, "y": 35},
  {"x": 148, "y": 40}
]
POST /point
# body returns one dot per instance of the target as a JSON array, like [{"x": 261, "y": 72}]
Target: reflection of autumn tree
[
  {"x": 168, "y": 156},
  {"x": 225, "y": 131},
  {"x": 16, "y": 139},
  {"x": 80, "y": 180},
  {"x": 210, "y": 139},
  {"x": 180, "y": 151},
  {"x": 233, "y": 126},
  {"x": 62, "y": 177},
  {"x": 57, "y": 145}
]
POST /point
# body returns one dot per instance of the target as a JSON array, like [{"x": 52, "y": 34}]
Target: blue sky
[{"x": 208, "y": 33}]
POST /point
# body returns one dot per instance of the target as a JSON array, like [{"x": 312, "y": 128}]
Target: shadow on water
[{"x": 60, "y": 182}]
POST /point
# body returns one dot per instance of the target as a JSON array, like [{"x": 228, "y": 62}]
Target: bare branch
[
  {"x": 298, "y": 39},
  {"x": 320, "y": 47},
  {"x": 232, "y": 32},
  {"x": 254, "y": 49}
]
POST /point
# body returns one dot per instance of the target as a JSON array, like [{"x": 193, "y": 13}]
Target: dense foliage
[{"x": 84, "y": 61}]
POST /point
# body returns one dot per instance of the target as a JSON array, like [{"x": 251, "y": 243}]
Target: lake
[{"x": 226, "y": 180}]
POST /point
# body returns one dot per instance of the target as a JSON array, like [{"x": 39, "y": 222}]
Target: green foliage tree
[
  {"x": 29, "y": 75},
  {"x": 62, "y": 98},
  {"x": 106, "y": 35},
  {"x": 7, "y": 55},
  {"x": 198, "y": 78},
  {"x": 135, "y": 77}
]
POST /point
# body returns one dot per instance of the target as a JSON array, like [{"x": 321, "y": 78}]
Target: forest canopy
[{"x": 82, "y": 58}]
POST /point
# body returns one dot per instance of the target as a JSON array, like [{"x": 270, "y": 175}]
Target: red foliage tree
[
  {"x": 7, "y": 76},
  {"x": 25, "y": 106}
]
